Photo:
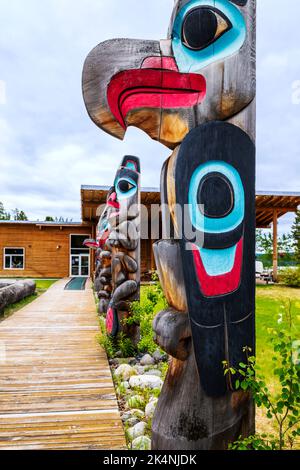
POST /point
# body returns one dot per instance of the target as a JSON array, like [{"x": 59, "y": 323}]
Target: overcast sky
[{"x": 49, "y": 146}]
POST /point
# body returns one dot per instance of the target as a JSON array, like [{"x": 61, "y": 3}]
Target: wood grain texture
[
  {"x": 56, "y": 390},
  {"x": 42, "y": 257}
]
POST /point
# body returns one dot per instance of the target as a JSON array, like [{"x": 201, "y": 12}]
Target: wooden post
[
  {"x": 275, "y": 245},
  {"x": 210, "y": 288}
]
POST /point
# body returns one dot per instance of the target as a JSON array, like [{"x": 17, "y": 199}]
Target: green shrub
[
  {"x": 282, "y": 406},
  {"x": 290, "y": 277},
  {"x": 142, "y": 314},
  {"x": 106, "y": 341}
]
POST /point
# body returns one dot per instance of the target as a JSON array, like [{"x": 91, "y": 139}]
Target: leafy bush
[
  {"x": 142, "y": 313},
  {"x": 106, "y": 341},
  {"x": 291, "y": 277},
  {"x": 282, "y": 407}
]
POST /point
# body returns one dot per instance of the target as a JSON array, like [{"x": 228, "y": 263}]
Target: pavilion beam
[{"x": 275, "y": 245}]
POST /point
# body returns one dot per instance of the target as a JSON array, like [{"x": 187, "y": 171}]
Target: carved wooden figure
[
  {"x": 123, "y": 242},
  {"x": 195, "y": 93}
]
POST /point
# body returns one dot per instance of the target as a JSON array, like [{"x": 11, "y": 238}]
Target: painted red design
[
  {"x": 109, "y": 320},
  {"x": 214, "y": 286},
  {"x": 112, "y": 201},
  {"x": 166, "y": 63},
  {"x": 154, "y": 88}
]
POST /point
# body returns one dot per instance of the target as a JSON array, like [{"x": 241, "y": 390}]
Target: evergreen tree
[
  {"x": 19, "y": 215},
  {"x": 296, "y": 236},
  {"x": 3, "y": 214}
]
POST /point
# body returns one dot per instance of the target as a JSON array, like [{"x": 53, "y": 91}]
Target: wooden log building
[{"x": 55, "y": 250}]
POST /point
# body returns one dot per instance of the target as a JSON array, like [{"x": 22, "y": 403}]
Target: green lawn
[
  {"x": 41, "y": 286},
  {"x": 44, "y": 284},
  {"x": 269, "y": 302}
]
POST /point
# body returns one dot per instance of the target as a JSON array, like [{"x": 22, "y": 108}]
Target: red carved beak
[
  {"x": 112, "y": 201},
  {"x": 157, "y": 84}
]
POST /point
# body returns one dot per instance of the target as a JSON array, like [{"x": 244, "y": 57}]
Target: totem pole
[
  {"x": 117, "y": 245},
  {"x": 103, "y": 274},
  {"x": 124, "y": 244},
  {"x": 195, "y": 93}
]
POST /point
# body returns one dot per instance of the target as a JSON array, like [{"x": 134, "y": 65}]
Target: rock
[
  {"x": 140, "y": 369},
  {"x": 157, "y": 355},
  {"x": 132, "y": 421},
  {"x": 114, "y": 362},
  {"x": 145, "y": 381},
  {"x": 125, "y": 371},
  {"x": 141, "y": 443},
  {"x": 118, "y": 354},
  {"x": 150, "y": 408},
  {"x": 138, "y": 414},
  {"x": 136, "y": 402},
  {"x": 133, "y": 361},
  {"x": 136, "y": 431},
  {"x": 126, "y": 416},
  {"x": 147, "y": 360},
  {"x": 155, "y": 372}
]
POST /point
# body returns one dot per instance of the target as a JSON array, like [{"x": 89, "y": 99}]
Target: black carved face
[
  {"x": 125, "y": 194},
  {"x": 214, "y": 179}
]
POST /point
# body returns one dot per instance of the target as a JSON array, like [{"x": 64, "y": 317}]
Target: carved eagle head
[{"x": 204, "y": 70}]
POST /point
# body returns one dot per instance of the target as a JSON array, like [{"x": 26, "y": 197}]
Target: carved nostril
[{"x": 163, "y": 63}]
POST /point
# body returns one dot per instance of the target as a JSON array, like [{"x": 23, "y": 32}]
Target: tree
[
  {"x": 4, "y": 215},
  {"x": 19, "y": 215},
  {"x": 264, "y": 242},
  {"x": 49, "y": 219},
  {"x": 296, "y": 236}
]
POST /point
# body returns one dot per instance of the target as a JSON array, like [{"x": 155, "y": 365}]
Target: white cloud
[{"x": 49, "y": 146}]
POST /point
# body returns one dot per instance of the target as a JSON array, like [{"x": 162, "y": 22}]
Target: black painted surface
[{"x": 221, "y": 326}]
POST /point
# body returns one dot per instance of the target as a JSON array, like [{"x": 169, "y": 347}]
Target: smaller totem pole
[
  {"x": 117, "y": 273},
  {"x": 124, "y": 243}
]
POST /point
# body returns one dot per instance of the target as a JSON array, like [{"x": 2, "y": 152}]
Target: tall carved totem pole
[
  {"x": 195, "y": 93},
  {"x": 117, "y": 244}
]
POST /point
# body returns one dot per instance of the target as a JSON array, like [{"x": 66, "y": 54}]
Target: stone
[
  {"x": 118, "y": 354},
  {"x": 157, "y": 356},
  {"x": 145, "y": 381},
  {"x": 125, "y": 371},
  {"x": 126, "y": 416},
  {"x": 150, "y": 408},
  {"x": 132, "y": 421},
  {"x": 140, "y": 369},
  {"x": 137, "y": 414},
  {"x": 155, "y": 372},
  {"x": 141, "y": 443},
  {"x": 147, "y": 360},
  {"x": 136, "y": 431}
]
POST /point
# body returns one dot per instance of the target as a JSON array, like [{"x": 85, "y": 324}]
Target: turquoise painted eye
[
  {"x": 125, "y": 187},
  {"x": 205, "y": 31},
  {"x": 202, "y": 26},
  {"x": 216, "y": 198}
]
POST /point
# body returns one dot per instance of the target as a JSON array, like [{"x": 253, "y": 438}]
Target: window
[{"x": 14, "y": 258}]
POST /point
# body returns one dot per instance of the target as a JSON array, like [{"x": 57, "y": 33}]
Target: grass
[
  {"x": 41, "y": 286},
  {"x": 269, "y": 300}
]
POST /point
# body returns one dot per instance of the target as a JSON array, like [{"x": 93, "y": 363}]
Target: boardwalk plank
[{"x": 56, "y": 390}]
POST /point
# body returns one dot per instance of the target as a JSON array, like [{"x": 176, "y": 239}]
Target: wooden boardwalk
[{"x": 56, "y": 390}]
